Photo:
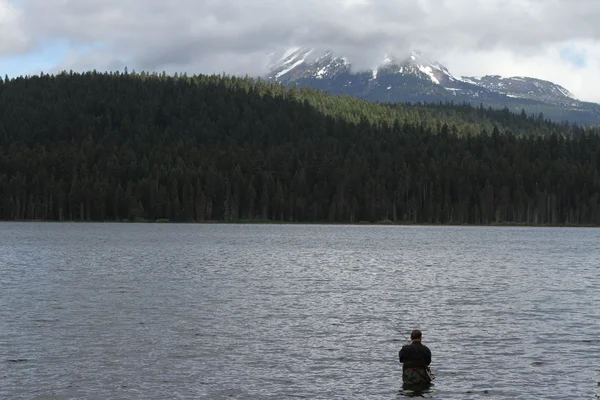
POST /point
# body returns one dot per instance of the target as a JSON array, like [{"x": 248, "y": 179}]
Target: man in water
[{"x": 415, "y": 359}]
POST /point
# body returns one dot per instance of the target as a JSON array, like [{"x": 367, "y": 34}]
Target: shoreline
[{"x": 269, "y": 222}]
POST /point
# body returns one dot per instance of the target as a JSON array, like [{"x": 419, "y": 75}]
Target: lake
[{"x": 181, "y": 311}]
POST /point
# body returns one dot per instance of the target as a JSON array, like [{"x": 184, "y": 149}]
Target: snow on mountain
[
  {"x": 307, "y": 62},
  {"x": 524, "y": 87},
  {"x": 302, "y": 64},
  {"x": 292, "y": 59},
  {"x": 416, "y": 78},
  {"x": 296, "y": 64}
]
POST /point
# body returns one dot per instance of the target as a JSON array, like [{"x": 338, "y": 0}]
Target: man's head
[{"x": 415, "y": 335}]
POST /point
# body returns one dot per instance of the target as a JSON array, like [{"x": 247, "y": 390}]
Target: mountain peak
[
  {"x": 414, "y": 73},
  {"x": 305, "y": 62}
]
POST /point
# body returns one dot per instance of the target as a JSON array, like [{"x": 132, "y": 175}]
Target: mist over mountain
[{"x": 417, "y": 78}]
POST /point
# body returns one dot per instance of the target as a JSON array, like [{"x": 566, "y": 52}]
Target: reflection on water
[
  {"x": 421, "y": 390},
  {"x": 152, "y": 311}
]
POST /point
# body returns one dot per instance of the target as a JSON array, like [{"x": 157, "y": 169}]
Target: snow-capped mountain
[
  {"x": 307, "y": 63},
  {"x": 416, "y": 78},
  {"x": 520, "y": 86}
]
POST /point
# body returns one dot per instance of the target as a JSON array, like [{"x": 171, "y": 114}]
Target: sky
[{"x": 556, "y": 40}]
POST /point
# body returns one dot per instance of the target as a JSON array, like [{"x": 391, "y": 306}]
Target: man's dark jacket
[{"x": 415, "y": 355}]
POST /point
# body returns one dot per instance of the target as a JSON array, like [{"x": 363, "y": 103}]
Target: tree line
[{"x": 140, "y": 146}]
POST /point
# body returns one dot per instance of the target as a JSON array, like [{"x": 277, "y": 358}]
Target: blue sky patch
[
  {"x": 45, "y": 59},
  {"x": 575, "y": 56}
]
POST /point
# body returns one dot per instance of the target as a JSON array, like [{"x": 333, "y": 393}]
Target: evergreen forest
[{"x": 128, "y": 146}]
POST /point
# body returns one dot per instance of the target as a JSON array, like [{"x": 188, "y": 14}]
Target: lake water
[{"x": 166, "y": 311}]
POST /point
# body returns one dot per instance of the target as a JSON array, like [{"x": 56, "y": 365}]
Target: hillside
[{"x": 127, "y": 146}]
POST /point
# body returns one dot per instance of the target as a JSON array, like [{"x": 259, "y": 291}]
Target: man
[{"x": 415, "y": 359}]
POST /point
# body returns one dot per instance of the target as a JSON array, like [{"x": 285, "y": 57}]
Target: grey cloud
[
  {"x": 12, "y": 38},
  {"x": 234, "y": 36}
]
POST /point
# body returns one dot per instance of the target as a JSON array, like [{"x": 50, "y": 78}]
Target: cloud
[
  {"x": 12, "y": 38},
  {"x": 524, "y": 37},
  {"x": 547, "y": 63}
]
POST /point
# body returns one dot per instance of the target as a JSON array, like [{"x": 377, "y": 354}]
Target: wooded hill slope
[{"x": 128, "y": 146}]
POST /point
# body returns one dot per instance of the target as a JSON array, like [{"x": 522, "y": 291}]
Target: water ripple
[{"x": 270, "y": 312}]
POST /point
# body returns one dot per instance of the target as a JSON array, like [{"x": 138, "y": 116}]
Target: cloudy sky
[{"x": 558, "y": 40}]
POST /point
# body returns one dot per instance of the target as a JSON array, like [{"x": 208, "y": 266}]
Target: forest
[{"x": 129, "y": 146}]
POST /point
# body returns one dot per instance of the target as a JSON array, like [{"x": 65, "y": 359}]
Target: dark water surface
[{"x": 153, "y": 311}]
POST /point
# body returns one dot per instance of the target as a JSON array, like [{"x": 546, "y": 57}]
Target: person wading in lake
[{"x": 415, "y": 359}]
